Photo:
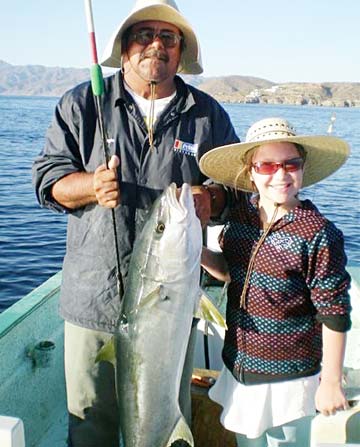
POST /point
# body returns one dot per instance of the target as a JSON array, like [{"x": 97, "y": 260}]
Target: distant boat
[{"x": 32, "y": 386}]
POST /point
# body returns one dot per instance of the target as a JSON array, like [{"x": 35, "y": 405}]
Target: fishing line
[
  {"x": 97, "y": 85},
  {"x": 150, "y": 119},
  {"x": 203, "y": 282}
]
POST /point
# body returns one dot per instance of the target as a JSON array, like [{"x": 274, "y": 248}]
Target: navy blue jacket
[{"x": 192, "y": 124}]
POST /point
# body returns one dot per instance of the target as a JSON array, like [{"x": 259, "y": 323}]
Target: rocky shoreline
[{"x": 313, "y": 94}]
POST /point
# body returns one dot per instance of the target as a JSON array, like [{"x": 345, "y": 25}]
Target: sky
[{"x": 277, "y": 40}]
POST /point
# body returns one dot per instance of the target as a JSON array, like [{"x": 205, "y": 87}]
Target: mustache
[{"x": 155, "y": 54}]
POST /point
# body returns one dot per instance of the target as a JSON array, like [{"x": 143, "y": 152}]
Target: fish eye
[{"x": 160, "y": 227}]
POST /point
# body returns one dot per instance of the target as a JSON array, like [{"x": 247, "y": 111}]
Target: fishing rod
[{"x": 97, "y": 86}]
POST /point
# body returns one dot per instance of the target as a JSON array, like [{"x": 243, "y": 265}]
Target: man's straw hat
[
  {"x": 324, "y": 154},
  {"x": 165, "y": 11}
]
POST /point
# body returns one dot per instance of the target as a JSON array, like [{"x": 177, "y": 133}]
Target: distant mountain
[{"x": 38, "y": 80}]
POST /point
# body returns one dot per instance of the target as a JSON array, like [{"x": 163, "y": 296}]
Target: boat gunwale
[{"x": 19, "y": 311}]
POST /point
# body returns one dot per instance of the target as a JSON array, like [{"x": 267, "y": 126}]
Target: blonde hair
[{"x": 245, "y": 167}]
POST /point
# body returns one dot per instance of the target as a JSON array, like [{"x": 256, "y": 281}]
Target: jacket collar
[{"x": 304, "y": 210}]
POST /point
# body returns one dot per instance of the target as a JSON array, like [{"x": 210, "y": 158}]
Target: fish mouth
[{"x": 183, "y": 203}]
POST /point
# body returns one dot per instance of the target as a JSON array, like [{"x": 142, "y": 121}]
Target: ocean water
[{"x": 32, "y": 240}]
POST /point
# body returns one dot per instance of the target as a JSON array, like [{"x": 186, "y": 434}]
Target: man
[{"x": 157, "y": 128}]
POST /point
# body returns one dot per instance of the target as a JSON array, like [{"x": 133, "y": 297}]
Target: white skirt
[{"x": 253, "y": 409}]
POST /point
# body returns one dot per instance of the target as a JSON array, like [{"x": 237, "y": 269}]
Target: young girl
[{"x": 288, "y": 303}]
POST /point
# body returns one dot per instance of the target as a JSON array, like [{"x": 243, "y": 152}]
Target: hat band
[{"x": 273, "y": 135}]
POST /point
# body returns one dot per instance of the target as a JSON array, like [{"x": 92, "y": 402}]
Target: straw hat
[
  {"x": 324, "y": 154},
  {"x": 165, "y": 11}
]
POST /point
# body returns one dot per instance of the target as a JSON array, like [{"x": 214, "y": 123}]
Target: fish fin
[
  {"x": 181, "y": 432},
  {"x": 151, "y": 298},
  {"x": 107, "y": 352},
  {"x": 209, "y": 312}
]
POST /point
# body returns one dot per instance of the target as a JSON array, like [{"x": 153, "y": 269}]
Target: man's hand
[
  {"x": 202, "y": 202},
  {"x": 106, "y": 185}
]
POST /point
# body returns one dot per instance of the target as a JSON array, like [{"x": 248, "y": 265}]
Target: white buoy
[{"x": 331, "y": 125}]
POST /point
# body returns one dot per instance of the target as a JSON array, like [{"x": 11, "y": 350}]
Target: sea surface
[{"x": 32, "y": 240}]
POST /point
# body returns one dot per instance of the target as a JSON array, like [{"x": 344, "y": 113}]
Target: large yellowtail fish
[{"x": 161, "y": 297}]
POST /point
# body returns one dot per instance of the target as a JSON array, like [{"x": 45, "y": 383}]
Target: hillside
[{"x": 38, "y": 80}]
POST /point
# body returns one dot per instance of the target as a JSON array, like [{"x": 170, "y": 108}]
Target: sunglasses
[
  {"x": 147, "y": 36},
  {"x": 270, "y": 167}
]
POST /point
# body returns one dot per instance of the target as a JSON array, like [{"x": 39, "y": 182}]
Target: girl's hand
[{"x": 330, "y": 398}]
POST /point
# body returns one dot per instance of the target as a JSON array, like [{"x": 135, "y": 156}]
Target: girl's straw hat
[
  {"x": 165, "y": 11},
  {"x": 324, "y": 154}
]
